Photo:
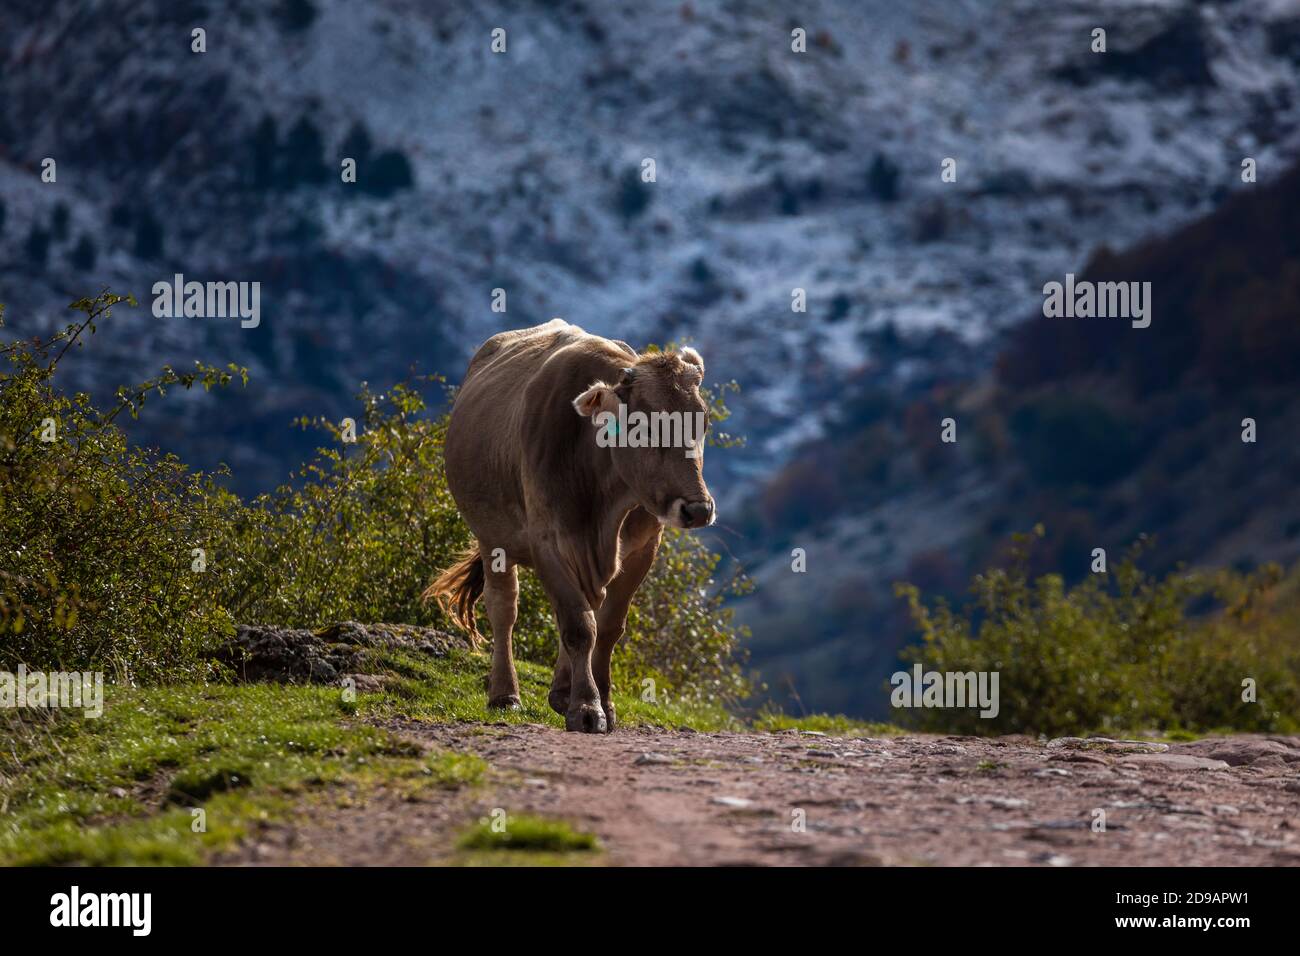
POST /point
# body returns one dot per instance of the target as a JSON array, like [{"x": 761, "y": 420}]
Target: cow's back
[{"x": 497, "y": 411}]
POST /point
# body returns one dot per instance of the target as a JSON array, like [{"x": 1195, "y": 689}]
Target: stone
[
  {"x": 366, "y": 683},
  {"x": 1004, "y": 803},
  {"x": 1108, "y": 744},
  {"x": 1180, "y": 762},
  {"x": 1246, "y": 751},
  {"x": 648, "y": 759},
  {"x": 735, "y": 803},
  {"x": 297, "y": 655},
  {"x": 1079, "y": 757}
]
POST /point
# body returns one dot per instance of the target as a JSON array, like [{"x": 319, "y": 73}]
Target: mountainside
[
  {"x": 1182, "y": 432},
  {"x": 775, "y": 171}
]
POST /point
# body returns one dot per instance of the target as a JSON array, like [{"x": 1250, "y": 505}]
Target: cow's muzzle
[{"x": 692, "y": 514}]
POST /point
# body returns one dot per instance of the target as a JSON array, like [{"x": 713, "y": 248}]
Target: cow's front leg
[
  {"x": 578, "y": 634},
  {"x": 501, "y": 599},
  {"x": 561, "y": 683},
  {"x": 577, "y": 625},
  {"x": 640, "y": 545}
]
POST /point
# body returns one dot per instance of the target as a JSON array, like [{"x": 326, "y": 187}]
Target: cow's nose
[{"x": 697, "y": 513}]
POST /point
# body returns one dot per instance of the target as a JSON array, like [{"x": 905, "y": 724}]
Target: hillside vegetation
[
  {"x": 125, "y": 560},
  {"x": 1103, "y": 433},
  {"x": 1119, "y": 651}
]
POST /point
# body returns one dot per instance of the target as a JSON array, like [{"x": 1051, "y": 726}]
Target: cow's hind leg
[
  {"x": 501, "y": 598},
  {"x": 611, "y": 619}
]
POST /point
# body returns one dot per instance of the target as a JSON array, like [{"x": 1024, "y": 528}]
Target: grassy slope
[{"x": 122, "y": 789}]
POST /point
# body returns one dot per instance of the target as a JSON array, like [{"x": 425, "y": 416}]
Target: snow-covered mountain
[{"x": 775, "y": 170}]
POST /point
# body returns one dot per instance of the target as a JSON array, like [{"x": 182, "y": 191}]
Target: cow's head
[{"x": 659, "y": 456}]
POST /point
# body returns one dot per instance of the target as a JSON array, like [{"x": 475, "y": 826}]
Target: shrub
[
  {"x": 95, "y": 571},
  {"x": 882, "y": 178},
  {"x": 357, "y": 144},
  {"x": 354, "y": 533},
  {"x": 387, "y": 173},
  {"x": 295, "y": 15},
  {"x": 1116, "y": 652},
  {"x": 680, "y": 631},
  {"x": 301, "y": 156},
  {"x": 148, "y": 236},
  {"x": 264, "y": 147},
  {"x": 59, "y": 220},
  {"x": 83, "y": 254},
  {"x": 37, "y": 246},
  {"x": 633, "y": 196}
]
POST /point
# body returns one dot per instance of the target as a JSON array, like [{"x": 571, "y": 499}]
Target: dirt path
[{"x": 680, "y": 798}]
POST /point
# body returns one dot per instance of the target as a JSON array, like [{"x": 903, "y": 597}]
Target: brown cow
[{"x": 537, "y": 488}]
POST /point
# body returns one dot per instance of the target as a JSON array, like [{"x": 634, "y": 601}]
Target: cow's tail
[{"x": 457, "y": 589}]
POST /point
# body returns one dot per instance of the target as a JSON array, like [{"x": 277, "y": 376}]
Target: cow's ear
[
  {"x": 598, "y": 398},
  {"x": 692, "y": 357}
]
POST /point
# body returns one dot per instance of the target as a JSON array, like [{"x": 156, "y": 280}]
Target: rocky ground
[
  {"x": 658, "y": 797},
  {"x": 289, "y": 655}
]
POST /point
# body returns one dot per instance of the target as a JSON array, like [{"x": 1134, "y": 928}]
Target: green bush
[
  {"x": 98, "y": 536},
  {"x": 356, "y": 532},
  {"x": 103, "y": 574},
  {"x": 680, "y": 633},
  {"x": 1117, "y": 652}
]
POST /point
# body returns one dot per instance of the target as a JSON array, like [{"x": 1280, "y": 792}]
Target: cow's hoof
[
  {"x": 558, "y": 698},
  {"x": 504, "y": 702},
  {"x": 587, "y": 719}
]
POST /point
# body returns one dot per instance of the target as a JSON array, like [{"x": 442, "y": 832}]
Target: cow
[{"x": 539, "y": 478}]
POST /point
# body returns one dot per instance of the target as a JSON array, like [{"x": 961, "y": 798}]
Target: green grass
[
  {"x": 121, "y": 789},
  {"x": 835, "y": 725},
  {"x": 451, "y": 771},
  {"x": 454, "y": 689},
  {"x": 1185, "y": 736},
  {"x": 525, "y": 841}
]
